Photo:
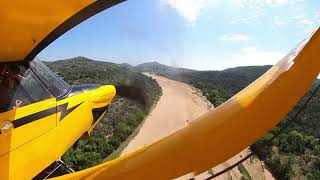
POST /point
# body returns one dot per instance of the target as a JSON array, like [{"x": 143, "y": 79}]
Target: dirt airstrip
[{"x": 179, "y": 104}]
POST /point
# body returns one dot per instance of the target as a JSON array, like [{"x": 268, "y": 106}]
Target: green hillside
[
  {"x": 136, "y": 93},
  {"x": 156, "y": 67},
  {"x": 217, "y": 86}
]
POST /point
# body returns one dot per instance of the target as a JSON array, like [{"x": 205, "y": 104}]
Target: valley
[{"x": 292, "y": 155}]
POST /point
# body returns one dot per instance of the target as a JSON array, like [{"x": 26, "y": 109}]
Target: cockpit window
[
  {"x": 19, "y": 87},
  {"x": 55, "y": 84}
]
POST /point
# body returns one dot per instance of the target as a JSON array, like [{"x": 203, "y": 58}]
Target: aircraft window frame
[
  {"x": 20, "y": 86},
  {"x": 57, "y": 86}
]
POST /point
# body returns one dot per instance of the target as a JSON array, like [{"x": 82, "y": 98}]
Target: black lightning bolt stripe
[
  {"x": 64, "y": 111},
  {"x": 42, "y": 114},
  {"x": 34, "y": 117}
]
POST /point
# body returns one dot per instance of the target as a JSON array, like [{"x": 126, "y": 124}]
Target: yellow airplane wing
[
  {"x": 225, "y": 131},
  {"x": 27, "y": 27}
]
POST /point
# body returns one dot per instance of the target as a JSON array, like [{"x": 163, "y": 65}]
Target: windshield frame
[{"x": 62, "y": 88}]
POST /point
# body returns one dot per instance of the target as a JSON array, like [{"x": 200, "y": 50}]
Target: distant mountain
[
  {"x": 126, "y": 66},
  {"x": 228, "y": 81},
  {"x": 158, "y": 68}
]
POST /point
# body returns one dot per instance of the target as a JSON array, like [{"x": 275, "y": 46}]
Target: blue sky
[{"x": 198, "y": 34}]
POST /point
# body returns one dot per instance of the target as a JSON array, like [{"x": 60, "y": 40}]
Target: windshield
[
  {"x": 55, "y": 84},
  {"x": 19, "y": 87}
]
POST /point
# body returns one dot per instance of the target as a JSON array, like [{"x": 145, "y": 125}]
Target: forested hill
[
  {"x": 295, "y": 154},
  {"x": 81, "y": 70},
  {"x": 137, "y": 94},
  {"x": 216, "y": 85},
  {"x": 156, "y": 67},
  {"x": 250, "y": 72}
]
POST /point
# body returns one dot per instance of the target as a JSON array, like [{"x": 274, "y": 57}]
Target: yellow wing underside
[{"x": 27, "y": 27}]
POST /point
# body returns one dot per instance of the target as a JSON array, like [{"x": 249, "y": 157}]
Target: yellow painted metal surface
[
  {"x": 27, "y": 150},
  {"x": 29, "y": 131},
  {"x": 24, "y": 24},
  {"x": 225, "y": 131}
]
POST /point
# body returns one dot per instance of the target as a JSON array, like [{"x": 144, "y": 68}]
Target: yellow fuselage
[{"x": 42, "y": 132}]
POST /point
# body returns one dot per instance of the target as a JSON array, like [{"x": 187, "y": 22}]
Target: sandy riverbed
[{"x": 180, "y": 104}]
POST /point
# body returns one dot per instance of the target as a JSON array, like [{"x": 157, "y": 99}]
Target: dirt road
[{"x": 180, "y": 104}]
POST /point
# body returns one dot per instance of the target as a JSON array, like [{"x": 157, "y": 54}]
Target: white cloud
[
  {"x": 303, "y": 21},
  {"x": 307, "y": 22},
  {"x": 190, "y": 10},
  {"x": 280, "y": 23},
  {"x": 255, "y": 10},
  {"x": 316, "y": 14},
  {"x": 253, "y": 56},
  {"x": 262, "y": 3},
  {"x": 246, "y": 56},
  {"x": 249, "y": 49},
  {"x": 235, "y": 37},
  {"x": 273, "y": 2}
]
